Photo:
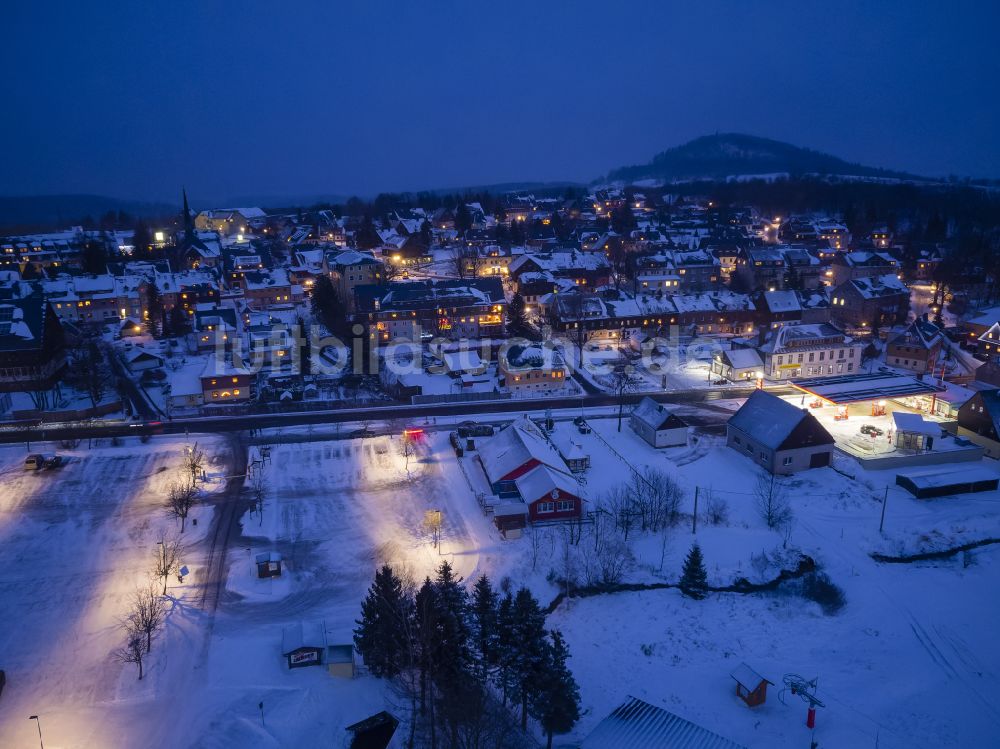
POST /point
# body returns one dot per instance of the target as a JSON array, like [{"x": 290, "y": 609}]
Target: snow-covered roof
[
  {"x": 747, "y": 678},
  {"x": 656, "y": 415},
  {"x": 543, "y": 482},
  {"x": 768, "y": 419},
  {"x": 879, "y": 286},
  {"x": 303, "y": 635},
  {"x": 743, "y": 358},
  {"x": 914, "y": 423},
  {"x": 929, "y": 478},
  {"x": 782, "y": 301},
  {"x": 803, "y": 337},
  {"x": 514, "y": 446},
  {"x": 638, "y": 725}
]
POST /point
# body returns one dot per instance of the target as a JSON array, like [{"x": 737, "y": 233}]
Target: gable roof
[
  {"x": 657, "y": 416},
  {"x": 776, "y": 424},
  {"x": 541, "y": 481},
  {"x": 638, "y": 725},
  {"x": 515, "y": 445},
  {"x": 742, "y": 358},
  {"x": 747, "y": 678},
  {"x": 920, "y": 332}
]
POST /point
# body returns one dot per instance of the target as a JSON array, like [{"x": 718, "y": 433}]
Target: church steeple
[{"x": 188, "y": 222}]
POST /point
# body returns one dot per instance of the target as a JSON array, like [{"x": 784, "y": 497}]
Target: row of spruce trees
[{"x": 459, "y": 657}]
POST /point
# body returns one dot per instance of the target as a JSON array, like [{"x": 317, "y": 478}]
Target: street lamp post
[{"x": 39, "y": 724}]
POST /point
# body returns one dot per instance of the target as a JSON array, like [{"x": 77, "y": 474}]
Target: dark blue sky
[{"x": 132, "y": 99}]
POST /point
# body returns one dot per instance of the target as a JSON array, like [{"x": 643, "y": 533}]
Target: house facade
[{"x": 778, "y": 436}]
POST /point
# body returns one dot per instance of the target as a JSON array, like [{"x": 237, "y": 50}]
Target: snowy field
[{"x": 909, "y": 661}]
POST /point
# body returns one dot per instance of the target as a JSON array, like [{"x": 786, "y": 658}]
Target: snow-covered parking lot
[{"x": 910, "y": 658}]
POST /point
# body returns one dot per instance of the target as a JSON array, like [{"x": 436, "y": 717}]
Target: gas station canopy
[{"x": 865, "y": 387}]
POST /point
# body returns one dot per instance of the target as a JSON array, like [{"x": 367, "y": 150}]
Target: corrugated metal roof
[{"x": 639, "y": 725}]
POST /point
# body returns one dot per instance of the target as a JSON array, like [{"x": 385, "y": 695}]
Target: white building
[{"x": 820, "y": 350}]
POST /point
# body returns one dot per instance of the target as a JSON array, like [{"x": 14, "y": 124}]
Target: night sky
[{"x": 133, "y": 99}]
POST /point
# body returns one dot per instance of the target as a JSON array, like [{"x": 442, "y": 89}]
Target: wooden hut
[{"x": 751, "y": 687}]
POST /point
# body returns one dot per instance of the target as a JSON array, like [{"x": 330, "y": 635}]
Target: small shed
[
  {"x": 576, "y": 458},
  {"x": 269, "y": 564},
  {"x": 751, "y": 687},
  {"x": 658, "y": 425},
  {"x": 913, "y": 432},
  {"x": 140, "y": 360},
  {"x": 374, "y": 732},
  {"x": 303, "y": 644},
  {"x": 340, "y": 661},
  {"x": 942, "y": 482}
]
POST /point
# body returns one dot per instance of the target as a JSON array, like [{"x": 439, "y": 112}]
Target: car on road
[
  {"x": 34, "y": 462},
  {"x": 53, "y": 461}
]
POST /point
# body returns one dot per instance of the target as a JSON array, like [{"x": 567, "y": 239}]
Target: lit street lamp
[{"x": 39, "y": 724}]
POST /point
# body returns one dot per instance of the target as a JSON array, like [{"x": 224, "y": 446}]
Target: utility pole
[
  {"x": 694, "y": 516},
  {"x": 885, "y": 501}
]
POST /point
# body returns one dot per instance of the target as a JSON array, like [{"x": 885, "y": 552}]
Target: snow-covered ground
[{"x": 911, "y": 659}]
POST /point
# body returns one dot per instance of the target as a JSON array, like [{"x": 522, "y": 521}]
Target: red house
[
  {"x": 550, "y": 494},
  {"x": 524, "y": 468}
]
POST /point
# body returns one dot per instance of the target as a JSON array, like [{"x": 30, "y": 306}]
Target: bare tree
[
  {"x": 656, "y": 498},
  {"x": 772, "y": 502},
  {"x": 168, "y": 558},
  {"x": 716, "y": 509},
  {"x": 147, "y": 612},
  {"x": 612, "y": 557},
  {"x": 623, "y": 382},
  {"x": 259, "y": 491},
  {"x": 134, "y": 649},
  {"x": 180, "y": 500},
  {"x": 407, "y": 448},
  {"x": 573, "y": 308},
  {"x": 194, "y": 460},
  {"x": 619, "y": 505}
]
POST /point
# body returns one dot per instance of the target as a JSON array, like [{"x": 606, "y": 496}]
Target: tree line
[{"x": 466, "y": 663}]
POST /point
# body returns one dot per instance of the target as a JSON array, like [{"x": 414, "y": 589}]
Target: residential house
[
  {"x": 846, "y": 266},
  {"x": 452, "y": 309},
  {"x": 876, "y": 300},
  {"x": 533, "y": 369},
  {"x": 32, "y": 344},
  {"x": 738, "y": 364},
  {"x": 979, "y": 420},
  {"x": 782, "y": 438},
  {"x": 917, "y": 348},
  {"x": 658, "y": 425},
  {"x": 523, "y": 468}
]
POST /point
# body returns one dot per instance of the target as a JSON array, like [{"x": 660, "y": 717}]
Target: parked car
[
  {"x": 34, "y": 462},
  {"x": 53, "y": 461},
  {"x": 472, "y": 429},
  {"x": 581, "y": 424}
]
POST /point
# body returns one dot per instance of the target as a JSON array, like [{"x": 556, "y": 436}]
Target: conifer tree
[
  {"x": 382, "y": 633},
  {"x": 454, "y": 657},
  {"x": 694, "y": 578},
  {"x": 556, "y": 706},
  {"x": 485, "y": 624},
  {"x": 426, "y": 636},
  {"x": 517, "y": 319},
  {"x": 528, "y": 644},
  {"x": 505, "y": 646}
]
